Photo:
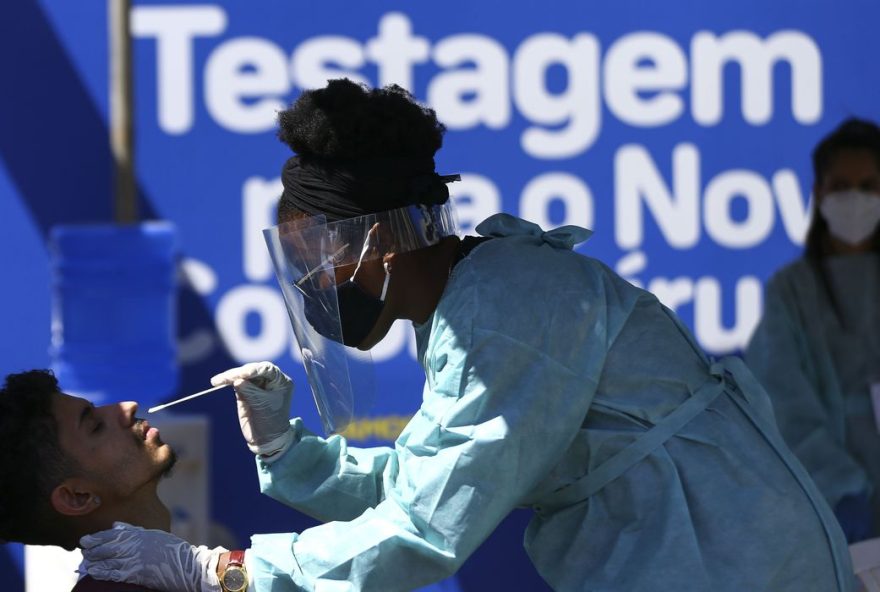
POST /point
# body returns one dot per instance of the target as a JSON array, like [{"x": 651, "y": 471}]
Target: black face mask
[{"x": 358, "y": 313}]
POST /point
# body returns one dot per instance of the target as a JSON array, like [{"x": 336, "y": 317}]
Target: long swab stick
[{"x": 187, "y": 398}]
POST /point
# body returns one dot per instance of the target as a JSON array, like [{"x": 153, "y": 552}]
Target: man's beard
[
  {"x": 166, "y": 469},
  {"x": 169, "y": 463}
]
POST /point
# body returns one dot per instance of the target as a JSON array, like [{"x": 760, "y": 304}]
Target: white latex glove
[
  {"x": 263, "y": 393},
  {"x": 151, "y": 558}
]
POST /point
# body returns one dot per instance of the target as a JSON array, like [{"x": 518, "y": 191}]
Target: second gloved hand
[
  {"x": 263, "y": 393},
  {"x": 151, "y": 558}
]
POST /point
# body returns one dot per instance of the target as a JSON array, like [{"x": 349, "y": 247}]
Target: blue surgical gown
[
  {"x": 817, "y": 360},
  {"x": 552, "y": 383}
]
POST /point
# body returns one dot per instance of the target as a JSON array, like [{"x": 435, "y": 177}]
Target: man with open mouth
[{"x": 70, "y": 468}]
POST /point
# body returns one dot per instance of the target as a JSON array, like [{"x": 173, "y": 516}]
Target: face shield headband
[
  {"x": 318, "y": 265},
  {"x": 342, "y": 189}
]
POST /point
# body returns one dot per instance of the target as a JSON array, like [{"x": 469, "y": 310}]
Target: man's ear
[{"x": 75, "y": 497}]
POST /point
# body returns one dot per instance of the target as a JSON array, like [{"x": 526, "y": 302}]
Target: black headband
[{"x": 348, "y": 189}]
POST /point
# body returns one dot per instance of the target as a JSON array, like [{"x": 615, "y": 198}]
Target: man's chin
[{"x": 167, "y": 465}]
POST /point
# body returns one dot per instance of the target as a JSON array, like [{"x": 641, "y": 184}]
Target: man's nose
[{"x": 128, "y": 410}]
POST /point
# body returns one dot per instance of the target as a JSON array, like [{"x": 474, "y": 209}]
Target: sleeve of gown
[
  {"x": 496, "y": 417},
  {"x": 776, "y": 354},
  {"x": 326, "y": 478}
]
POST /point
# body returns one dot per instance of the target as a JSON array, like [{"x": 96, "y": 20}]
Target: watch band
[{"x": 235, "y": 558}]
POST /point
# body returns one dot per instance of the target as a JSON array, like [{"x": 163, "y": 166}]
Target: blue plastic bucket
[{"x": 113, "y": 311}]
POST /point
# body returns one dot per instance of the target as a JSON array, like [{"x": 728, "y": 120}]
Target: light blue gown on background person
[
  {"x": 553, "y": 383},
  {"x": 818, "y": 367}
]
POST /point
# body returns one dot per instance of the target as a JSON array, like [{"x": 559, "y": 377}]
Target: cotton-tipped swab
[{"x": 187, "y": 398}]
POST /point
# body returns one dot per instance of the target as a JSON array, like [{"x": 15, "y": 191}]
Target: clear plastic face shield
[{"x": 322, "y": 269}]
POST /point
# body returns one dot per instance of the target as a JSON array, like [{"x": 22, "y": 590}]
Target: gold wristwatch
[{"x": 234, "y": 577}]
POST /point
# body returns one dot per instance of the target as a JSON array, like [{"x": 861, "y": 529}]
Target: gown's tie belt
[
  {"x": 728, "y": 374},
  {"x": 641, "y": 447}
]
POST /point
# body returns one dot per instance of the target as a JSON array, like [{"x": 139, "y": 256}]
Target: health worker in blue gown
[
  {"x": 817, "y": 347},
  {"x": 550, "y": 383}
]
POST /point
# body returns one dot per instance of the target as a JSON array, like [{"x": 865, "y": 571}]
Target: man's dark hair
[
  {"x": 851, "y": 134},
  {"x": 32, "y": 463}
]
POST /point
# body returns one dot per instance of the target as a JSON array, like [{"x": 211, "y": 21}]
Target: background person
[
  {"x": 817, "y": 347},
  {"x": 69, "y": 468},
  {"x": 550, "y": 383}
]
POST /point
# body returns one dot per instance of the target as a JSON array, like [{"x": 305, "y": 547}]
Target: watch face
[{"x": 234, "y": 579}]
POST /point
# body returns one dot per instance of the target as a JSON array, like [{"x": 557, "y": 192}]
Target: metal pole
[{"x": 121, "y": 110}]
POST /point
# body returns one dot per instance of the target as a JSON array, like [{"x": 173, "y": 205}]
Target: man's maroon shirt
[{"x": 90, "y": 584}]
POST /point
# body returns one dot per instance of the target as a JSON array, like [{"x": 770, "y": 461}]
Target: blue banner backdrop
[{"x": 679, "y": 131}]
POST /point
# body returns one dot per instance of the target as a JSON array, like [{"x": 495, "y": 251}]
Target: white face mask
[{"x": 852, "y": 216}]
